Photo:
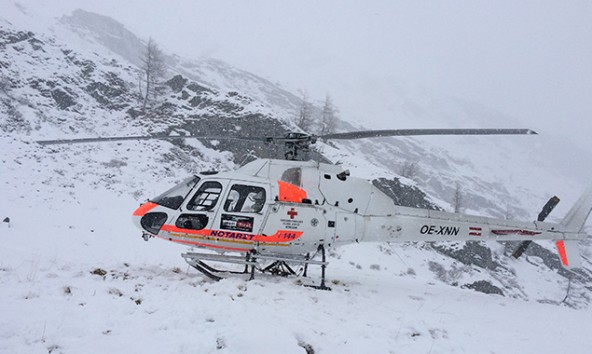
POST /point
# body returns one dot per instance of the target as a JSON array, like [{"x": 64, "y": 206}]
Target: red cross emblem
[{"x": 292, "y": 213}]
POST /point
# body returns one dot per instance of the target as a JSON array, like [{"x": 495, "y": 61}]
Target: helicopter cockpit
[{"x": 210, "y": 203}]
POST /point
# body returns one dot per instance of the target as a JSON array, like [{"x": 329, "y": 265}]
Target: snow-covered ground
[
  {"x": 150, "y": 301},
  {"x": 75, "y": 276},
  {"x": 68, "y": 225}
]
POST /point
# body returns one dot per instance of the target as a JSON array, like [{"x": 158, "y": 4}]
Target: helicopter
[{"x": 272, "y": 214}]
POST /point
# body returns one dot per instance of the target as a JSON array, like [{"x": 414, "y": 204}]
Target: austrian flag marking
[{"x": 475, "y": 231}]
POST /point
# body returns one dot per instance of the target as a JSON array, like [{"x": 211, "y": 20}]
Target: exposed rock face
[{"x": 403, "y": 194}]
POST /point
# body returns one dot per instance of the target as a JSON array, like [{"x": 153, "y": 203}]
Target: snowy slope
[
  {"x": 69, "y": 210},
  {"x": 492, "y": 169},
  {"x": 148, "y": 301},
  {"x": 384, "y": 299}
]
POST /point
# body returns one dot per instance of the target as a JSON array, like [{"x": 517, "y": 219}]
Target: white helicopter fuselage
[{"x": 293, "y": 207}]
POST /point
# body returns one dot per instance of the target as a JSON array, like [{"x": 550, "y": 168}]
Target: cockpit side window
[
  {"x": 206, "y": 197},
  {"x": 245, "y": 199},
  {"x": 293, "y": 176},
  {"x": 174, "y": 197}
]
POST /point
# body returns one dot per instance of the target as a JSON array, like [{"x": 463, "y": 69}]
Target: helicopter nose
[
  {"x": 149, "y": 220},
  {"x": 144, "y": 208},
  {"x": 141, "y": 211}
]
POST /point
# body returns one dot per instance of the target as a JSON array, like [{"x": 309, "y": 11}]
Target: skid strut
[{"x": 323, "y": 267}]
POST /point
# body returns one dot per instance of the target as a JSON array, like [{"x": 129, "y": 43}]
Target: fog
[{"x": 529, "y": 60}]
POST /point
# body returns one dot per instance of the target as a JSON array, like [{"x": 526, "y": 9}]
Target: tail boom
[{"x": 411, "y": 224}]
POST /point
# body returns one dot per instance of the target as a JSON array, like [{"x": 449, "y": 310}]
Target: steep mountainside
[
  {"x": 51, "y": 89},
  {"x": 82, "y": 82},
  {"x": 75, "y": 276}
]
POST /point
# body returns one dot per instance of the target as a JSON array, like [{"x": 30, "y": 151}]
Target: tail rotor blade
[
  {"x": 547, "y": 209},
  {"x": 521, "y": 249}
]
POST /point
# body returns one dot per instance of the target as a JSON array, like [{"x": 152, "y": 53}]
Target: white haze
[
  {"x": 69, "y": 215},
  {"x": 528, "y": 59}
]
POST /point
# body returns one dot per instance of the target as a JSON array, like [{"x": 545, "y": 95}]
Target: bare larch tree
[
  {"x": 305, "y": 114},
  {"x": 458, "y": 199},
  {"x": 152, "y": 71},
  {"x": 328, "y": 117}
]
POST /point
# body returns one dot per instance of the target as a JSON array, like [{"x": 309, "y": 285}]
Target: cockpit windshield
[{"x": 174, "y": 197}]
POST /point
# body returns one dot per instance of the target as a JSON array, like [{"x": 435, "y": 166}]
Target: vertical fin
[
  {"x": 578, "y": 214},
  {"x": 574, "y": 221},
  {"x": 569, "y": 253}
]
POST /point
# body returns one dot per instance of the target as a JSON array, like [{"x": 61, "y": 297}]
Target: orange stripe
[
  {"x": 144, "y": 208},
  {"x": 290, "y": 192},
  {"x": 562, "y": 253},
  {"x": 281, "y": 236}
]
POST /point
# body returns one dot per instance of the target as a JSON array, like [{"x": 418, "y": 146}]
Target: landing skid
[
  {"x": 196, "y": 260},
  {"x": 279, "y": 266},
  {"x": 206, "y": 269}
]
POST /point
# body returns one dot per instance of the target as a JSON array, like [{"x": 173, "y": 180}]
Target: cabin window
[
  {"x": 192, "y": 221},
  {"x": 293, "y": 176},
  {"x": 245, "y": 199},
  {"x": 206, "y": 197}
]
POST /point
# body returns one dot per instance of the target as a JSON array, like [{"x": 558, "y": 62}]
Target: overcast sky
[{"x": 529, "y": 59}]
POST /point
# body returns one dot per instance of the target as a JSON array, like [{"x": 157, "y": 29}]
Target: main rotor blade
[
  {"x": 418, "y": 132},
  {"x": 140, "y": 137},
  {"x": 301, "y": 137}
]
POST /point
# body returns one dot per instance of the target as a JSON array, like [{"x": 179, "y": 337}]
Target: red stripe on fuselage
[
  {"x": 281, "y": 236},
  {"x": 515, "y": 232}
]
